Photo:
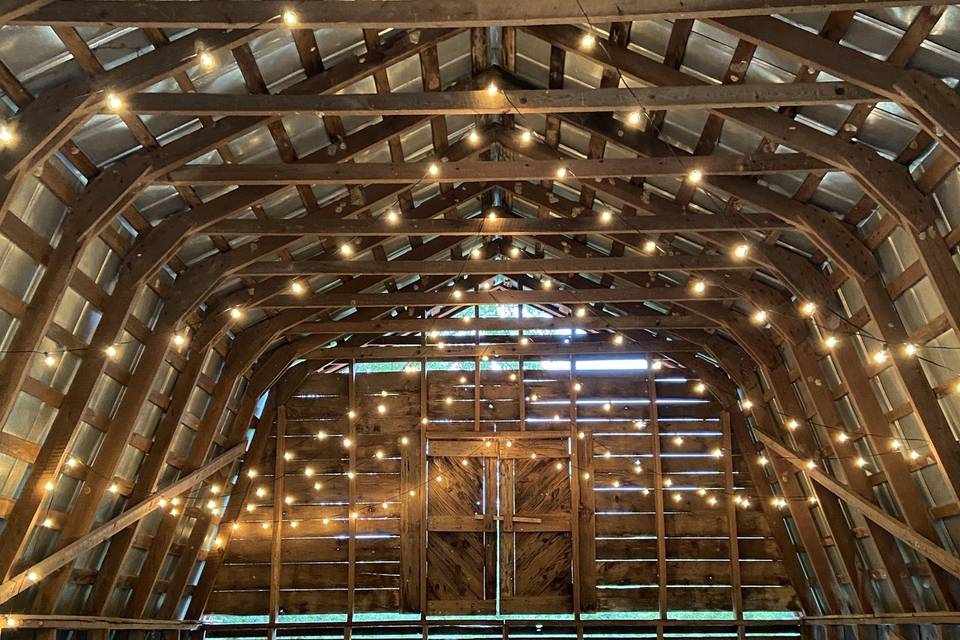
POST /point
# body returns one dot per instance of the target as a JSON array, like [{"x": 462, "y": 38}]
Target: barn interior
[{"x": 479, "y": 319}]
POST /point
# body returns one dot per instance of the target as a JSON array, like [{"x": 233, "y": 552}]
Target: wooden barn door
[
  {"x": 536, "y": 540},
  {"x": 499, "y": 525}
]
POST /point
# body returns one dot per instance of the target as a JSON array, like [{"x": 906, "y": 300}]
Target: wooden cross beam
[
  {"x": 416, "y": 325},
  {"x": 26, "y": 579},
  {"x": 401, "y": 354},
  {"x": 590, "y": 222},
  {"x": 475, "y": 171},
  {"x": 471, "y": 103},
  {"x": 321, "y": 14},
  {"x": 554, "y": 296},
  {"x": 495, "y": 267}
]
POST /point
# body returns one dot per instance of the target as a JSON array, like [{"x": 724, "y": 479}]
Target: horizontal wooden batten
[
  {"x": 590, "y": 223},
  {"x": 501, "y": 351},
  {"x": 401, "y": 325},
  {"x": 321, "y": 14},
  {"x": 553, "y": 296},
  {"x": 502, "y": 102},
  {"x": 478, "y": 171},
  {"x": 497, "y": 267}
]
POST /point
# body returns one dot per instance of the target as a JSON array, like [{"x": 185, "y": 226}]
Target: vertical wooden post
[
  {"x": 574, "y": 492},
  {"x": 476, "y": 393},
  {"x": 658, "y": 499},
  {"x": 586, "y": 515},
  {"x": 728, "y": 486},
  {"x": 279, "y": 470},
  {"x": 522, "y": 393},
  {"x": 352, "y": 484},
  {"x": 421, "y": 491},
  {"x": 411, "y": 516}
]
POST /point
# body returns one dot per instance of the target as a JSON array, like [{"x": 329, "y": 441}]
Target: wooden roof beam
[
  {"x": 318, "y": 14},
  {"x": 478, "y": 171},
  {"x": 481, "y": 102}
]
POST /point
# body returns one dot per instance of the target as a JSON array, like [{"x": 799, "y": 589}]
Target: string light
[
  {"x": 71, "y": 462},
  {"x": 760, "y": 317},
  {"x": 351, "y": 414},
  {"x": 842, "y": 437},
  {"x": 633, "y": 118},
  {"x": 747, "y": 404},
  {"x": 762, "y": 461},
  {"x": 657, "y": 365},
  {"x": 111, "y": 352},
  {"x": 606, "y": 215},
  {"x": 741, "y": 251},
  {"x": 792, "y": 424},
  {"x": 393, "y": 217},
  {"x": 526, "y": 136},
  {"x": 695, "y": 176},
  {"x": 6, "y": 135},
  {"x": 699, "y": 286},
  {"x": 48, "y": 523},
  {"x": 347, "y": 443},
  {"x": 308, "y": 472},
  {"x": 321, "y": 435},
  {"x": 114, "y": 102},
  {"x": 252, "y": 473},
  {"x": 473, "y": 137},
  {"x": 434, "y": 169},
  {"x": 346, "y": 249},
  {"x": 492, "y": 216},
  {"x": 880, "y": 357},
  {"x": 909, "y": 349},
  {"x": 561, "y": 173},
  {"x": 49, "y": 360},
  {"x": 587, "y": 41},
  {"x": 649, "y": 247},
  {"x": 297, "y": 288},
  {"x": 179, "y": 340},
  {"x": 618, "y": 339},
  {"x": 290, "y": 18},
  {"x": 492, "y": 89},
  {"x": 32, "y": 576},
  {"x": 48, "y": 486},
  {"x": 830, "y": 342},
  {"x": 807, "y": 309},
  {"x": 699, "y": 387},
  {"x": 207, "y": 61},
  {"x": 114, "y": 488},
  {"x": 236, "y": 313}
]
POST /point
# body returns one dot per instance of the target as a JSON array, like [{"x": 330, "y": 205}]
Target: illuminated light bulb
[
  {"x": 448, "y": 400},
  {"x": 473, "y": 137},
  {"x": 111, "y": 351},
  {"x": 607, "y": 455},
  {"x": 637, "y": 467},
  {"x": 236, "y": 313},
  {"x": 615, "y": 484},
  {"x": 524, "y": 340},
  {"x": 558, "y": 466},
  {"x": 235, "y": 526},
  {"x": 424, "y": 420},
  {"x": 667, "y": 482},
  {"x": 492, "y": 216},
  {"x": 288, "y": 499},
  {"x": 587, "y": 41},
  {"x": 32, "y": 576},
  {"x": 346, "y": 250},
  {"x": 441, "y": 344},
  {"x": 717, "y": 453},
  {"x": 618, "y": 339},
  {"x": 351, "y": 474},
  {"x": 347, "y": 443},
  {"x": 701, "y": 492},
  {"x": 561, "y": 173},
  {"x": 11, "y": 622},
  {"x": 657, "y": 365},
  {"x": 439, "y": 478},
  {"x": 811, "y": 464},
  {"x": 251, "y": 507},
  {"x": 378, "y": 455},
  {"x": 463, "y": 379},
  {"x": 476, "y": 254},
  {"x": 760, "y": 317},
  {"x": 114, "y": 488},
  {"x": 290, "y": 18},
  {"x": 457, "y": 294},
  {"x": 737, "y": 499},
  {"x": 514, "y": 252},
  {"x": 404, "y": 440},
  {"x": 606, "y": 215},
  {"x": 712, "y": 501},
  {"x": 487, "y": 443},
  {"x": 354, "y": 515},
  {"x": 317, "y": 486},
  {"x": 745, "y": 503},
  {"x": 762, "y": 461},
  {"x": 71, "y": 462},
  {"x": 556, "y": 417},
  {"x": 485, "y": 285},
  {"x": 747, "y": 404},
  {"x": 741, "y": 251},
  {"x": 807, "y": 309},
  {"x": 326, "y": 521},
  {"x": 6, "y": 136},
  {"x": 830, "y": 342},
  {"x": 547, "y": 284},
  {"x": 513, "y": 377},
  {"x": 114, "y": 102},
  {"x": 162, "y": 503},
  {"x": 607, "y": 406},
  {"x": 392, "y": 216},
  {"x": 526, "y": 136},
  {"x": 860, "y": 462},
  {"x": 207, "y": 61},
  {"x": 351, "y": 414},
  {"x": 645, "y": 491},
  {"x": 677, "y": 497},
  {"x": 792, "y": 424},
  {"x": 509, "y": 443},
  {"x": 581, "y": 435},
  {"x": 812, "y": 500},
  {"x": 581, "y": 312},
  {"x": 492, "y": 89},
  {"x": 640, "y": 423},
  {"x": 633, "y": 118},
  {"x": 211, "y": 504},
  {"x": 321, "y": 435},
  {"x": 842, "y": 437},
  {"x": 534, "y": 397},
  {"x": 49, "y": 360},
  {"x": 649, "y": 247},
  {"x": 261, "y": 492},
  {"x": 896, "y": 445},
  {"x": 695, "y": 176},
  {"x": 909, "y": 349},
  {"x": 297, "y": 288},
  {"x": 385, "y": 506},
  {"x": 215, "y": 489},
  {"x": 179, "y": 340},
  {"x": 577, "y": 386},
  {"x": 381, "y": 409},
  {"x": 308, "y": 472},
  {"x": 586, "y": 475},
  {"x": 699, "y": 286},
  {"x": 434, "y": 169},
  {"x": 175, "y": 501},
  {"x": 294, "y": 524},
  {"x": 533, "y": 456},
  {"x": 288, "y": 455},
  {"x": 914, "y": 455},
  {"x": 264, "y": 525},
  {"x": 678, "y": 440},
  {"x": 880, "y": 357},
  {"x": 48, "y": 523},
  {"x": 699, "y": 387}
]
